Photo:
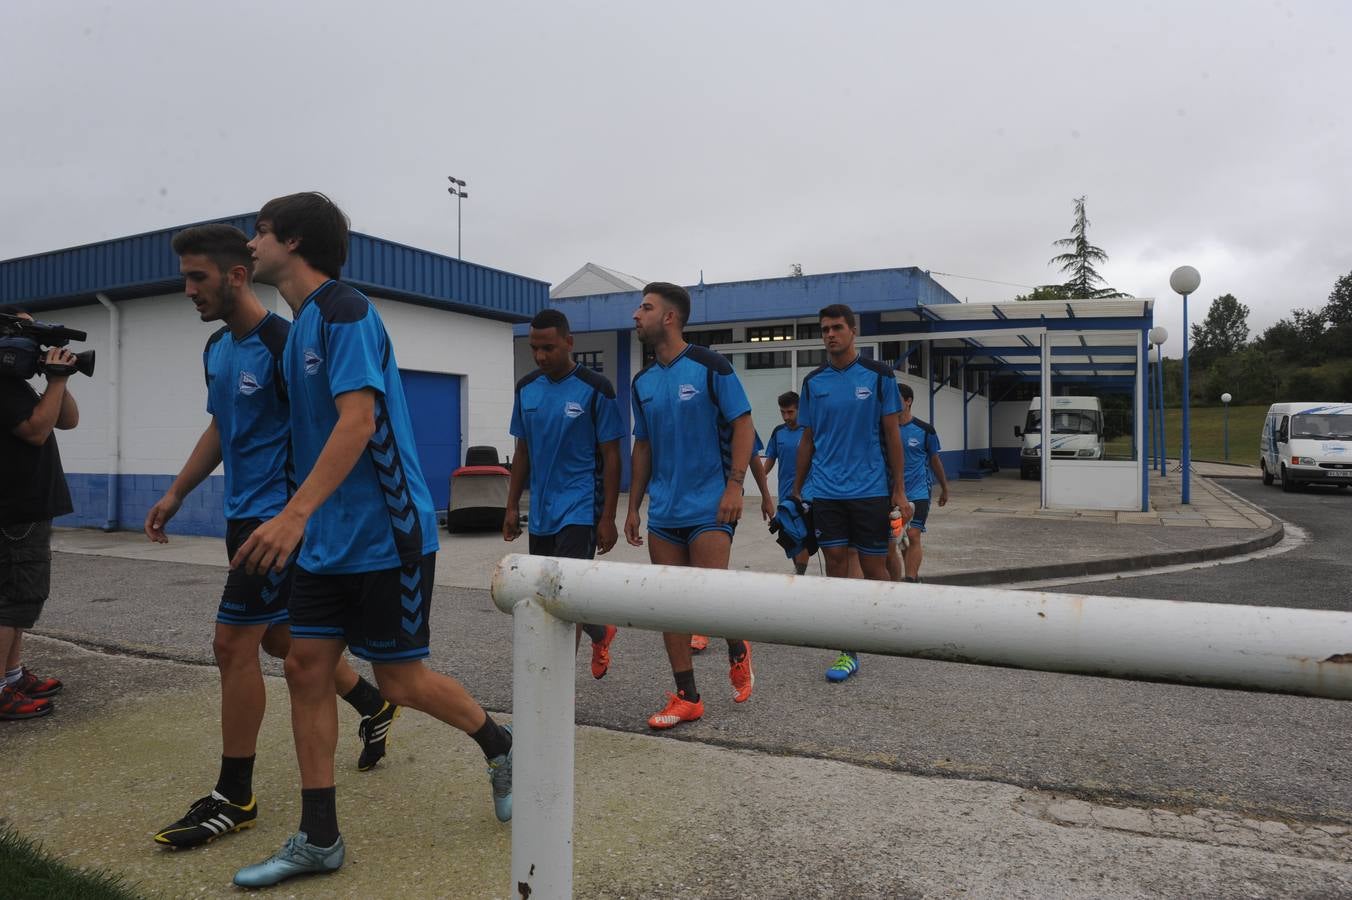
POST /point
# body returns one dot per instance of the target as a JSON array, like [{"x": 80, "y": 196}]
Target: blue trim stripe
[
  {"x": 393, "y": 656},
  {"x": 227, "y": 619},
  {"x": 316, "y": 631}
]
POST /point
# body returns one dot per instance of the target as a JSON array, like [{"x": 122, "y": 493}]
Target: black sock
[
  {"x": 319, "y": 816},
  {"x": 915, "y": 580},
  {"x": 800, "y": 568},
  {"x": 492, "y": 738},
  {"x": 596, "y": 632},
  {"x": 235, "y": 783},
  {"x": 736, "y": 650},
  {"x": 364, "y": 698},
  {"x": 685, "y": 685}
]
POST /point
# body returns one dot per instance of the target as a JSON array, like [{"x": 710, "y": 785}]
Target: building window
[
  {"x": 812, "y": 358},
  {"x": 778, "y": 359},
  {"x": 769, "y": 333},
  {"x": 591, "y": 359},
  {"x": 709, "y": 337},
  {"x": 810, "y": 331}
]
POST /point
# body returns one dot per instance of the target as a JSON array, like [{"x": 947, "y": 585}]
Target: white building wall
[
  {"x": 1008, "y": 415},
  {"x": 947, "y": 418}
]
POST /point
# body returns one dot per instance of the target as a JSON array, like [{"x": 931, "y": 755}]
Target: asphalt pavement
[{"x": 915, "y": 778}]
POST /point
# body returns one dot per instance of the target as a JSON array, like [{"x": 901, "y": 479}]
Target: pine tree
[{"x": 1079, "y": 260}]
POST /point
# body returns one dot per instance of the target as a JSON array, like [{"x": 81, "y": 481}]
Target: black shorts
[
  {"x": 862, "y": 524},
  {"x": 252, "y": 599},
  {"x": 25, "y": 572},
  {"x": 685, "y": 536},
  {"x": 569, "y": 542},
  {"x": 382, "y": 615}
]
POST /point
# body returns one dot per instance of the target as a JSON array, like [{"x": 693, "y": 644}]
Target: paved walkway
[{"x": 991, "y": 532}]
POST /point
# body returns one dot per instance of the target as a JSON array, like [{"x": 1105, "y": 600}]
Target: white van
[
  {"x": 1076, "y": 432},
  {"x": 1304, "y": 443}
]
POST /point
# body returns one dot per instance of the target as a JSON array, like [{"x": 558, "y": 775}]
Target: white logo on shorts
[
  {"x": 862, "y": 393},
  {"x": 686, "y": 391},
  {"x": 312, "y": 361},
  {"x": 248, "y": 383},
  {"x": 572, "y": 409}
]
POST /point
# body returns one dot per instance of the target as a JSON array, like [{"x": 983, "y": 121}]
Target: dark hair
[
  {"x": 224, "y": 245},
  {"x": 788, "y": 398},
  {"x": 551, "y": 318},
  {"x": 673, "y": 294},
  {"x": 906, "y": 392},
  {"x": 838, "y": 311},
  {"x": 314, "y": 220}
]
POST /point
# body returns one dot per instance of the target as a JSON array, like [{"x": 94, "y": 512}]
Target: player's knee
[
  {"x": 401, "y": 684},
  {"x": 305, "y": 669},
  {"x": 233, "y": 650}
]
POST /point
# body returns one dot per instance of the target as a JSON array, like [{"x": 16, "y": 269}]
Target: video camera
[{"x": 21, "y": 348}]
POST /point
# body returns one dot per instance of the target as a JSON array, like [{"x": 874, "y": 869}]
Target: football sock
[
  {"x": 235, "y": 783},
  {"x": 319, "y": 816},
  {"x": 736, "y": 650},
  {"x": 364, "y": 698},
  {"x": 596, "y": 632},
  {"x": 492, "y": 739},
  {"x": 13, "y": 675},
  {"x": 685, "y": 685}
]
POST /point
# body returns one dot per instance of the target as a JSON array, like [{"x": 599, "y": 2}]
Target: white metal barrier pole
[{"x": 542, "y": 757}]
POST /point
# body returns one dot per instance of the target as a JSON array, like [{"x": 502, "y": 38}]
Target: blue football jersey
[
  {"x": 783, "y": 448},
  {"x": 564, "y": 423},
  {"x": 844, "y": 409},
  {"x": 685, "y": 412},
  {"x": 246, "y": 397},
  {"x": 919, "y": 441},
  {"x": 381, "y": 516}
]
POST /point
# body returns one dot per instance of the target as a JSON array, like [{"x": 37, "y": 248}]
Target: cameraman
[{"x": 35, "y": 493}]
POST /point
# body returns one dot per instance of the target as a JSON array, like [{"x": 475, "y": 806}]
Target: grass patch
[
  {"x": 29, "y": 873},
  {"x": 1208, "y": 434}
]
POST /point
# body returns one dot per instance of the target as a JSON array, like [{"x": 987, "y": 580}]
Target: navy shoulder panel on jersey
[
  {"x": 342, "y": 303},
  {"x": 596, "y": 382},
  {"x": 922, "y": 425},
  {"x": 215, "y": 336},
  {"x": 813, "y": 374},
  {"x": 710, "y": 359},
  {"x": 874, "y": 365},
  {"x": 641, "y": 372},
  {"x": 527, "y": 379},
  {"x": 776, "y": 430},
  {"x": 273, "y": 334}
]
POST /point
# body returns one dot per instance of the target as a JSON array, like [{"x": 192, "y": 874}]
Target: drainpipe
[{"x": 114, "y": 371}]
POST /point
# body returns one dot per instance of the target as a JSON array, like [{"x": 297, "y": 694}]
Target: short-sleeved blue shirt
[
  {"x": 783, "y": 447},
  {"x": 381, "y": 516},
  {"x": 919, "y": 441},
  {"x": 246, "y": 397},
  {"x": 685, "y": 412},
  {"x": 564, "y": 423},
  {"x": 844, "y": 409}
]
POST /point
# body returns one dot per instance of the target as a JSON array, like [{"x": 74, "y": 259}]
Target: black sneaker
[
  {"x": 373, "y": 730},
  {"x": 208, "y": 819}
]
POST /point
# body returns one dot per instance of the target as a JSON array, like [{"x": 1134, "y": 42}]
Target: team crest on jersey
[
  {"x": 572, "y": 409},
  {"x": 862, "y": 393},
  {"x": 248, "y": 383},
  {"x": 686, "y": 391},
  {"x": 913, "y": 442},
  {"x": 312, "y": 361}
]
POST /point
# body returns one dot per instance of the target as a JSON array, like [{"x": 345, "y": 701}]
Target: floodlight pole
[
  {"x": 1185, "y": 280},
  {"x": 457, "y": 190}
]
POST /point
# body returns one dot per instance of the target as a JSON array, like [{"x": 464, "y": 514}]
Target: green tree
[
  {"x": 1223, "y": 332},
  {"x": 1080, "y": 259},
  {"x": 1337, "y": 316},
  {"x": 1046, "y": 292}
]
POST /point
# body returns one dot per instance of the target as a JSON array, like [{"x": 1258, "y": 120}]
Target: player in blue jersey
[
  {"x": 364, "y": 574},
  {"x": 693, "y": 440},
  {"x": 248, "y": 432},
  {"x": 567, "y": 426},
  {"x": 849, "y": 458},
  {"x": 920, "y": 446},
  {"x": 782, "y": 448}
]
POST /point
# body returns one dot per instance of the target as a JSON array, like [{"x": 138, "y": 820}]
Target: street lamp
[
  {"x": 1225, "y": 399},
  {"x": 1184, "y": 280},
  {"x": 1158, "y": 335},
  {"x": 457, "y": 190}
]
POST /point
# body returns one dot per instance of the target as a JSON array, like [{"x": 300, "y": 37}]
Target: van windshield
[
  {"x": 1322, "y": 428},
  {"x": 1067, "y": 421}
]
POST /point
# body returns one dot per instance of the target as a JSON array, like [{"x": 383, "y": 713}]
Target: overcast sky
[{"x": 730, "y": 138}]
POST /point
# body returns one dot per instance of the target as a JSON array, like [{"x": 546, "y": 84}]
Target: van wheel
[
  {"x": 1288, "y": 483},
  {"x": 1267, "y": 476}
]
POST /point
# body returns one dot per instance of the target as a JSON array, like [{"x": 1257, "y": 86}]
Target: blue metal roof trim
[
  {"x": 145, "y": 264},
  {"x": 874, "y": 290}
]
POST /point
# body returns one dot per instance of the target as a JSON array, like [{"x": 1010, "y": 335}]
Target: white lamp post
[
  {"x": 1225, "y": 399},
  {"x": 1184, "y": 281},
  {"x": 1158, "y": 335}
]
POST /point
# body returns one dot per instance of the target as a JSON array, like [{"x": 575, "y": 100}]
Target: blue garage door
[{"x": 434, "y": 406}]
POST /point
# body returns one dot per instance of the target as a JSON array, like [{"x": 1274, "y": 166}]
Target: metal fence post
[{"x": 542, "y": 737}]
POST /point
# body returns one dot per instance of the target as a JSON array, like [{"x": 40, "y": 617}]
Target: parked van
[
  {"x": 1076, "y": 432},
  {"x": 1307, "y": 443}
]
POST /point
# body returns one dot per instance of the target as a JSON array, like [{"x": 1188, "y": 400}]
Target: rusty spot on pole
[
  {"x": 1042, "y": 615},
  {"x": 1340, "y": 658},
  {"x": 523, "y": 889}
]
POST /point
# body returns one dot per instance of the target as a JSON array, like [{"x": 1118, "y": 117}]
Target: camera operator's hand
[
  {"x": 159, "y": 516},
  {"x": 59, "y": 356},
  {"x": 271, "y": 544}
]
